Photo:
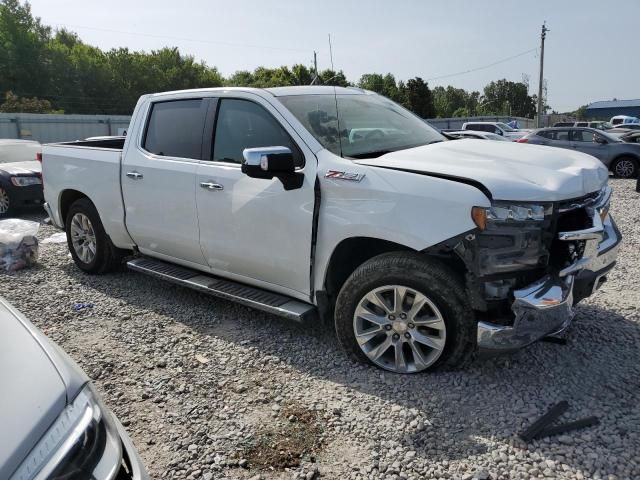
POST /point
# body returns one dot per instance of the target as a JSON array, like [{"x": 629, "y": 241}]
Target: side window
[
  {"x": 476, "y": 127},
  {"x": 582, "y": 136},
  {"x": 495, "y": 129},
  {"x": 561, "y": 135},
  {"x": 544, "y": 134},
  {"x": 175, "y": 128},
  {"x": 244, "y": 124}
]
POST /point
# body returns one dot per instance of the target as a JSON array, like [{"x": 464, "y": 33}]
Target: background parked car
[
  {"x": 498, "y": 128},
  {"x": 595, "y": 124},
  {"x": 20, "y": 175},
  {"x": 630, "y": 137},
  {"x": 54, "y": 424},
  {"x": 477, "y": 135},
  {"x": 623, "y": 119},
  {"x": 620, "y": 157}
]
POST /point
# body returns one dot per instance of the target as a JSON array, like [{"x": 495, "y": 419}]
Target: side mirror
[
  {"x": 265, "y": 162},
  {"x": 270, "y": 162},
  {"x": 600, "y": 140}
]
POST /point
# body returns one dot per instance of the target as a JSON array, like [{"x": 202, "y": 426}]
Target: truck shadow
[{"x": 453, "y": 419}]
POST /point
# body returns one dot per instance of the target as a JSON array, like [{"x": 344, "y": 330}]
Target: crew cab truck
[
  {"x": 337, "y": 203},
  {"x": 499, "y": 128}
]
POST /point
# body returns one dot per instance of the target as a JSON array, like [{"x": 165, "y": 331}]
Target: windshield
[
  {"x": 369, "y": 125},
  {"x": 505, "y": 127}
]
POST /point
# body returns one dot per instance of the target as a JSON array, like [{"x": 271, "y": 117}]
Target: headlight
[
  {"x": 505, "y": 213},
  {"x": 26, "y": 181},
  {"x": 83, "y": 442}
]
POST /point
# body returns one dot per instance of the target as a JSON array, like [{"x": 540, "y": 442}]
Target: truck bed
[{"x": 91, "y": 168}]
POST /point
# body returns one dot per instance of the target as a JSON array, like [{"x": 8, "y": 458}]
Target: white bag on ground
[{"x": 18, "y": 244}]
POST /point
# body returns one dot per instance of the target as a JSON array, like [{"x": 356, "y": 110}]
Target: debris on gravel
[{"x": 212, "y": 390}]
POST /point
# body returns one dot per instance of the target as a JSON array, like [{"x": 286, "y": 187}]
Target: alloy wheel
[
  {"x": 624, "y": 168},
  {"x": 83, "y": 237},
  {"x": 399, "y": 329},
  {"x": 4, "y": 201}
]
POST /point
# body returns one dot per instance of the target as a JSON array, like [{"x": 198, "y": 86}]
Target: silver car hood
[
  {"x": 508, "y": 170},
  {"x": 21, "y": 168},
  {"x": 36, "y": 381}
]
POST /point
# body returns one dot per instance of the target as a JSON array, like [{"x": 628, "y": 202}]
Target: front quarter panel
[{"x": 410, "y": 209}]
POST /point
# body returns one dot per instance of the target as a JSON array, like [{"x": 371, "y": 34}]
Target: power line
[
  {"x": 485, "y": 66},
  {"x": 184, "y": 39}
]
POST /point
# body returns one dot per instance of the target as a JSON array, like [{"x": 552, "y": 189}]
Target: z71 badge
[{"x": 354, "y": 177}]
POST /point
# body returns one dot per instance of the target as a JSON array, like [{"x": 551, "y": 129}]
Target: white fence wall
[
  {"x": 456, "y": 122},
  {"x": 48, "y": 128}
]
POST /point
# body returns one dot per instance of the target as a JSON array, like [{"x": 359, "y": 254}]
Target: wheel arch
[
  {"x": 349, "y": 254},
  {"x": 632, "y": 156},
  {"x": 67, "y": 198}
]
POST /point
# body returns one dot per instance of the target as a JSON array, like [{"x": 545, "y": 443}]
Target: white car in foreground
[
  {"x": 419, "y": 249},
  {"x": 54, "y": 424}
]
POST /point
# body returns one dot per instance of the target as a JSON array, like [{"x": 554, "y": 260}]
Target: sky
[{"x": 407, "y": 38}]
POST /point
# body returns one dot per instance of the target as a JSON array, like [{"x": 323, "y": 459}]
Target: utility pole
[
  {"x": 543, "y": 34},
  {"x": 315, "y": 68}
]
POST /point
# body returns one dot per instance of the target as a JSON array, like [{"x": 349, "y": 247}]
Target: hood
[
  {"x": 509, "y": 170},
  {"x": 33, "y": 392},
  {"x": 31, "y": 167}
]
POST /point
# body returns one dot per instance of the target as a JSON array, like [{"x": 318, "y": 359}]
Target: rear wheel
[
  {"x": 625, "y": 167},
  {"x": 90, "y": 246},
  {"x": 5, "y": 203},
  {"x": 406, "y": 314}
]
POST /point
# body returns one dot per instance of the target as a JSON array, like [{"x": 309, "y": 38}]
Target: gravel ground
[{"x": 208, "y": 389}]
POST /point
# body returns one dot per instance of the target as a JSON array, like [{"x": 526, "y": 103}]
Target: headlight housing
[
  {"x": 504, "y": 213},
  {"x": 26, "y": 181},
  {"x": 82, "y": 443}
]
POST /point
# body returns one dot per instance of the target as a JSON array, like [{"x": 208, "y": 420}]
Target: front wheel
[
  {"x": 625, "y": 167},
  {"x": 405, "y": 313},
  {"x": 5, "y": 203}
]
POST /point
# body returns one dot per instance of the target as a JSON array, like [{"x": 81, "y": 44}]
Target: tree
[
  {"x": 581, "y": 112},
  {"x": 417, "y": 97},
  {"x": 504, "y": 97},
  {"x": 448, "y": 101},
  {"x": 13, "y": 103},
  {"x": 23, "y": 54}
]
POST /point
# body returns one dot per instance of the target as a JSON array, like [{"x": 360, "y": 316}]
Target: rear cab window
[{"x": 175, "y": 128}]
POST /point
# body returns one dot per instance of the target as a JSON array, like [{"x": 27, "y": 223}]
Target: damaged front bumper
[{"x": 545, "y": 307}]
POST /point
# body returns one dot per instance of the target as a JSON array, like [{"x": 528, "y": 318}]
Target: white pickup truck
[{"x": 337, "y": 203}]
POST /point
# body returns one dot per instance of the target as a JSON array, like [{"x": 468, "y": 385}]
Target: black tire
[
  {"x": 431, "y": 278},
  {"x": 630, "y": 169},
  {"x": 5, "y": 198},
  {"x": 107, "y": 257}
]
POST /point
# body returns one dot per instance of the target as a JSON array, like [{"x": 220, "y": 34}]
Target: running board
[{"x": 257, "y": 298}]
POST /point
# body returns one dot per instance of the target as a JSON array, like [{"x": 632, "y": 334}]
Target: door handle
[
  {"x": 211, "y": 186},
  {"x": 134, "y": 175}
]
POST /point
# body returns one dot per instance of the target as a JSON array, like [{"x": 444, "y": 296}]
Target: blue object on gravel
[{"x": 81, "y": 306}]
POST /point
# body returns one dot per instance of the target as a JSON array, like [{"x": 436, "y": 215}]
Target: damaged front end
[{"x": 528, "y": 264}]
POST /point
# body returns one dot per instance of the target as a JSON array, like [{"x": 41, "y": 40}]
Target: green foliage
[
  {"x": 504, "y": 97},
  {"x": 58, "y": 68},
  {"x": 454, "y": 102},
  {"x": 581, "y": 113},
  {"x": 13, "y": 103}
]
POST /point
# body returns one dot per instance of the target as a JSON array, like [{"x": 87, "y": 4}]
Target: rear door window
[
  {"x": 175, "y": 128},
  {"x": 582, "y": 136},
  {"x": 560, "y": 135}
]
